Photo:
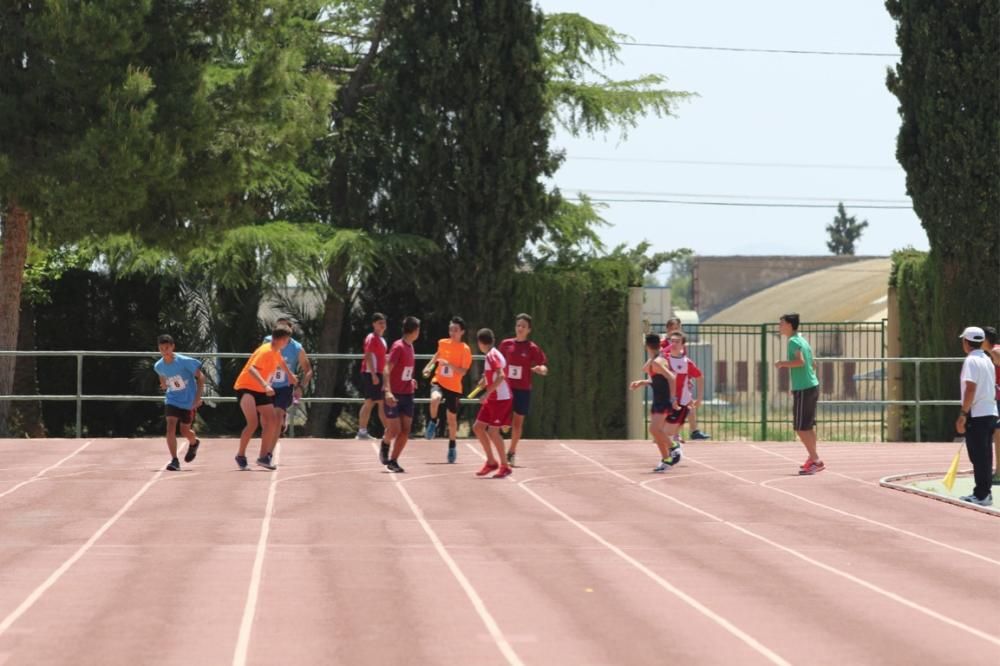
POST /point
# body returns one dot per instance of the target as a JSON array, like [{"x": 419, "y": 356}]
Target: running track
[{"x": 581, "y": 557}]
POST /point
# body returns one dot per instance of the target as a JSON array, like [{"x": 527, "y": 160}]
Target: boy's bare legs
[
  {"x": 808, "y": 438},
  {"x": 270, "y": 428},
  {"x": 249, "y": 409},
  {"x": 497, "y": 439},
  {"x": 516, "y": 428},
  {"x": 658, "y": 431},
  {"x": 172, "y": 435},
  {"x": 481, "y": 431},
  {"x": 402, "y": 436},
  {"x": 365, "y": 414}
]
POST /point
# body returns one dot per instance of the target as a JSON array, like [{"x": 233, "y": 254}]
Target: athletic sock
[{"x": 451, "y": 443}]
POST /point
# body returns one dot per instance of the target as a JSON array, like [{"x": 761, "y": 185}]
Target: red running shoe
[
  {"x": 504, "y": 471},
  {"x": 487, "y": 468},
  {"x": 812, "y": 468}
]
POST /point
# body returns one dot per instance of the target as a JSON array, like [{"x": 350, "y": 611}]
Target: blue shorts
[
  {"x": 283, "y": 397},
  {"x": 403, "y": 407},
  {"x": 522, "y": 401}
]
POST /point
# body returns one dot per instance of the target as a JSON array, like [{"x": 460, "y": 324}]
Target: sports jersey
[
  {"x": 401, "y": 379},
  {"x": 803, "y": 377},
  {"x": 180, "y": 378},
  {"x": 660, "y": 386},
  {"x": 266, "y": 360},
  {"x": 978, "y": 369},
  {"x": 291, "y": 355},
  {"x": 686, "y": 370},
  {"x": 521, "y": 358},
  {"x": 457, "y": 354},
  {"x": 496, "y": 363},
  {"x": 374, "y": 344},
  {"x": 996, "y": 348}
]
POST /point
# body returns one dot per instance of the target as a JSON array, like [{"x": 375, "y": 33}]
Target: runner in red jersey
[
  {"x": 372, "y": 366},
  {"x": 524, "y": 359},
  {"x": 399, "y": 386},
  {"x": 496, "y": 406}
]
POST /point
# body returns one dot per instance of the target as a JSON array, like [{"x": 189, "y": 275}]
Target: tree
[
  {"x": 949, "y": 144},
  {"x": 163, "y": 119},
  {"x": 681, "y": 281},
  {"x": 844, "y": 232}
]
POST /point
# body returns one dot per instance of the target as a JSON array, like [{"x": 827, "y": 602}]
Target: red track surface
[{"x": 581, "y": 557}]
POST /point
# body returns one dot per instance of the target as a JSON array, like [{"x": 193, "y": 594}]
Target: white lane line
[
  {"x": 746, "y": 638},
  {"x": 256, "y": 574},
  {"x": 36, "y": 477},
  {"x": 805, "y": 558},
  {"x": 477, "y": 602},
  {"x": 33, "y": 598}
]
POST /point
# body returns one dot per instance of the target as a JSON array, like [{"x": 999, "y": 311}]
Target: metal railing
[{"x": 79, "y": 397}]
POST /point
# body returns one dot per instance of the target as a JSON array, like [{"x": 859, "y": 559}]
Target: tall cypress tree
[
  {"x": 948, "y": 88},
  {"x": 464, "y": 120}
]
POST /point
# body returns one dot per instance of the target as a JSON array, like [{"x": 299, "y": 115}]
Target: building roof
[{"x": 852, "y": 292}]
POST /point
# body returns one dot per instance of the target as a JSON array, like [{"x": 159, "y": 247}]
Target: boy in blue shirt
[
  {"x": 183, "y": 384},
  {"x": 284, "y": 393}
]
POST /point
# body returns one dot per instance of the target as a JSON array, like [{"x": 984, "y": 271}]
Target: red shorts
[
  {"x": 678, "y": 416},
  {"x": 496, "y": 412}
]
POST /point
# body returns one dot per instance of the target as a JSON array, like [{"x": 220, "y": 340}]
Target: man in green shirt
[{"x": 805, "y": 389}]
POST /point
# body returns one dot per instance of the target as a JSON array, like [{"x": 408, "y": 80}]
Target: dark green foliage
[
  {"x": 948, "y": 89},
  {"x": 844, "y": 232}
]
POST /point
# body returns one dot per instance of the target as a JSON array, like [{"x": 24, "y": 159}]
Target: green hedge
[{"x": 581, "y": 320}]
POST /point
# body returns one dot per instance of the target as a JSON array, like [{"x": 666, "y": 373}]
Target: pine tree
[{"x": 844, "y": 232}]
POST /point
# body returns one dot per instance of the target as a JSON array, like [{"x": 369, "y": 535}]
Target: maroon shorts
[
  {"x": 678, "y": 416},
  {"x": 496, "y": 413}
]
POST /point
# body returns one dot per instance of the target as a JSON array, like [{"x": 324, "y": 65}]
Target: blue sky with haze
[{"x": 791, "y": 129}]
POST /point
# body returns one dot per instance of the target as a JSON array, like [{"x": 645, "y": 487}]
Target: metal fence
[
  {"x": 747, "y": 398},
  {"x": 143, "y": 362}
]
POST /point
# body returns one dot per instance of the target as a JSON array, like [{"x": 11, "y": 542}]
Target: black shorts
[
  {"x": 369, "y": 390},
  {"x": 182, "y": 415},
  {"x": 283, "y": 397},
  {"x": 260, "y": 399},
  {"x": 522, "y": 401},
  {"x": 403, "y": 407},
  {"x": 452, "y": 400},
  {"x": 678, "y": 416},
  {"x": 804, "y": 408}
]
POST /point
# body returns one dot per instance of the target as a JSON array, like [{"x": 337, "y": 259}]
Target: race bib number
[
  {"x": 407, "y": 373},
  {"x": 515, "y": 372},
  {"x": 446, "y": 370},
  {"x": 176, "y": 383},
  {"x": 278, "y": 377}
]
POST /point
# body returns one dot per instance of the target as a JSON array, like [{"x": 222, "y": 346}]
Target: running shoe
[
  {"x": 677, "y": 440},
  {"x": 241, "y": 462},
  {"x": 811, "y": 468},
  {"x": 504, "y": 472},
  {"x": 972, "y": 499},
  {"x": 174, "y": 466},
  {"x": 266, "y": 463},
  {"x": 698, "y": 434},
  {"x": 431, "y": 430},
  {"x": 676, "y": 453},
  {"x": 383, "y": 454},
  {"x": 511, "y": 458},
  {"x": 452, "y": 453},
  {"x": 192, "y": 451},
  {"x": 487, "y": 468},
  {"x": 663, "y": 466},
  {"x": 393, "y": 466},
  {"x": 363, "y": 434}
]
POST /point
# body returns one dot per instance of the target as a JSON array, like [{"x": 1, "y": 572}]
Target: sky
[{"x": 787, "y": 128}]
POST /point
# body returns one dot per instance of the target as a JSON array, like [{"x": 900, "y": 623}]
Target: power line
[
  {"x": 770, "y": 165},
  {"x": 750, "y": 50},
  {"x": 743, "y": 204},
  {"x": 761, "y": 197}
]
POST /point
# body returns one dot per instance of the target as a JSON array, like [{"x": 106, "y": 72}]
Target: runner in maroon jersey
[{"x": 524, "y": 358}]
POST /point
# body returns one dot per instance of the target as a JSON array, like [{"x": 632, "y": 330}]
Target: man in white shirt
[{"x": 979, "y": 413}]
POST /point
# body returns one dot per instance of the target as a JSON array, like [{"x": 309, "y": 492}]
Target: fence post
[
  {"x": 762, "y": 381},
  {"x": 79, "y": 395},
  {"x": 916, "y": 397}
]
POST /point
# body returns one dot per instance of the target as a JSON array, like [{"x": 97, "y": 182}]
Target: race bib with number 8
[
  {"x": 176, "y": 383},
  {"x": 446, "y": 370},
  {"x": 514, "y": 372},
  {"x": 407, "y": 373}
]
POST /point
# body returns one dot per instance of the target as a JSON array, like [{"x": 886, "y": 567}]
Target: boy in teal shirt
[{"x": 805, "y": 389}]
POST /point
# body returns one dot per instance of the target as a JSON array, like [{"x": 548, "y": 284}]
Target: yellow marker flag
[{"x": 949, "y": 478}]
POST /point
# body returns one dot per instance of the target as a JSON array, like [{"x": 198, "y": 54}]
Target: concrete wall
[{"x": 722, "y": 281}]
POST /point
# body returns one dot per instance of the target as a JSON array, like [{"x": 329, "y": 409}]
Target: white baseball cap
[{"x": 973, "y": 334}]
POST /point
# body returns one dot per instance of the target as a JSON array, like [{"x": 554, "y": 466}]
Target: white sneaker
[
  {"x": 662, "y": 467},
  {"x": 363, "y": 434},
  {"x": 972, "y": 499}
]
